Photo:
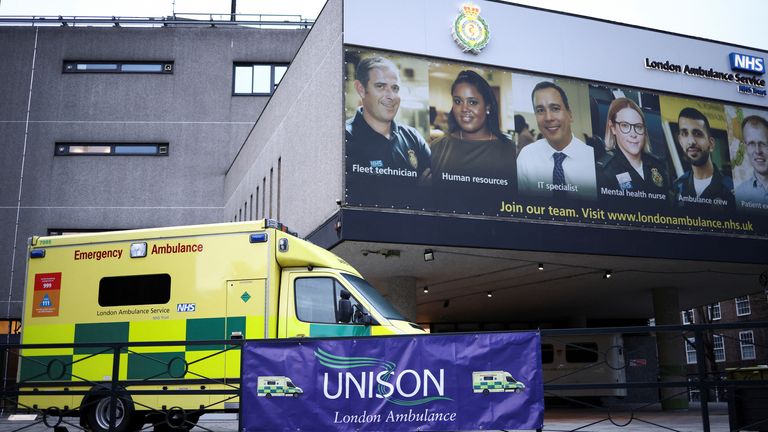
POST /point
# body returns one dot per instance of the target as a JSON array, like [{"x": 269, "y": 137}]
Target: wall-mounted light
[
  {"x": 490, "y": 294},
  {"x": 607, "y": 274},
  {"x": 429, "y": 255},
  {"x": 541, "y": 266},
  {"x": 426, "y": 290}
]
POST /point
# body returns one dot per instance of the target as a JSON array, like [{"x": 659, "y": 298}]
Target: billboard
[
  {"x": 443, "y": 382},
  {"x": 450, "y": 137}
]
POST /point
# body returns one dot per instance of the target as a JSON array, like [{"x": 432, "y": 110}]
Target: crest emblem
[
  {"x": 470, "y": 31},
  {"x": 412, "y": 159},
  {"x": 658, "y": 180}
]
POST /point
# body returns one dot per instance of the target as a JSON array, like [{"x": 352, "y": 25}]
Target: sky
[{"x": 738, "y": 23}]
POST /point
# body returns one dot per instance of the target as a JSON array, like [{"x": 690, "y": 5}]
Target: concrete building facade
[
  {"x": 282, "y": 155},
  {"x": 190, "y": 110}
]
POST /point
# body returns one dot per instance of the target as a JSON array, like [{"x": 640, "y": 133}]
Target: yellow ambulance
[{"x": 102, "y": 292}]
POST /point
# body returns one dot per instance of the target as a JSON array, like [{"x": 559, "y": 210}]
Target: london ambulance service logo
[{"x": 470, "y": 31}]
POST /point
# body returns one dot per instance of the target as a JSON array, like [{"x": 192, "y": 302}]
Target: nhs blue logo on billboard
[{"x": 747, "y": 63}]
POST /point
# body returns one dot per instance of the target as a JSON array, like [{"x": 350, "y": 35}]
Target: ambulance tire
[
  {"x": 485, "y": 392},
  {"x": 269, "y": 395},
  {"x": 98, "y": 414}
]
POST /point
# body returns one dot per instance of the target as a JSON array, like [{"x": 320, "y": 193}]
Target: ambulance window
[
  {"x": 582, "y": 352},
  {"x": 134, "y": 290},
  {"x": 547, "y": 353},
  {"x": 316, "y": 299}
]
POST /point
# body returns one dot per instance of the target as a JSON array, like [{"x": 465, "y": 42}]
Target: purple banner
[{"x": 427, "y": 382}]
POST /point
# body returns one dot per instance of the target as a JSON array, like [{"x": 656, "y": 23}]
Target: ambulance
[
  {"x": 96, "y": 294},
  {"x": 269, "y": 386},
  {"x": 486, "y": 382}
]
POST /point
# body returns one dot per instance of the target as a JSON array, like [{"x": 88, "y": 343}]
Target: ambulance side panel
[{"x": 197, "y": 288}]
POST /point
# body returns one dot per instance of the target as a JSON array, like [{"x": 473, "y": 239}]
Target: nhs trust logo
[
  {"x": 747, "y": 63},
  {"x": 185, "y": 307}
]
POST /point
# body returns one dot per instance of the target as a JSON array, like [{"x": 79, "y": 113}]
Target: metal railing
[
  {"x": 662, "y": 384},
  {"x": 153, "y": 369},
  {"x": 152, "y": 377},
  {"x": 177, "y": 20}
]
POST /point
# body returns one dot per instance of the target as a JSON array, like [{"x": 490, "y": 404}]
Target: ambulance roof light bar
[{"x": 271, "y": 223}]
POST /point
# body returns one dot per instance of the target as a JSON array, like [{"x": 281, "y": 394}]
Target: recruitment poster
[
  {"x": 456, "y": 138},
  {"x": 488, "y": 381}
]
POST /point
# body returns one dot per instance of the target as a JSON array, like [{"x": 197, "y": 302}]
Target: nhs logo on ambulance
[
  {"x": 185, "y": 307},
  {"x": 747, "y": 63}
]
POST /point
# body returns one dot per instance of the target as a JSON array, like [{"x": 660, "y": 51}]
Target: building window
[
  {"x": 713, "y": 311},
  {"x": 690, "y": 350},
  {"x": 279, "y": 168},
  {"x": 111, "y": 149},
  {"x": 126, "y": 67},
  {"x": 742, "y": 306},
  {"x": 747, "y": 344},
  {"x": 257, "y": 202},
  {"x": 719, "y": 347},
  {"x": 70, "y": 231},
  {"x": 257, "y": 79},
  {"x": 271, "y": 175},
  {"x": 547, "y": 353},
  {"x": 688, "y": 316},
  {"x": 582, "y": 352},
  {"x": 263, "y": 196}
]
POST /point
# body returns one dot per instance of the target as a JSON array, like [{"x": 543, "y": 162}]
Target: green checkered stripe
[
  {"x": 272, "y": 389},
  {"x": 141, "y": 366},
  {"x": 490, "y": 385}
]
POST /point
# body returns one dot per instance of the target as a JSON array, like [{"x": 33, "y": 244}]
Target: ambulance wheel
[
  {"x": 296, "y": 395},
  {"x": 98, "y": 415},
  {"x": 485, "y": 392},
  {"x": 269, "y": 395}
]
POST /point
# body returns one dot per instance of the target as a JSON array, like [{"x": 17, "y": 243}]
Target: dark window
[
  {"x": 582, "y": 352},
  {"x": 127, "y": 67},
  {"x": 270, "y": 191},
  {"x": 263, "y": 196},
  {"x": 135, "y": 290},
  {"x": 70, "y": 231},
  {"x": 257, "y": 79},
  {"x": 111, "y": 149},
  {"x": 547, "y": 353},
  {"x": 279, "y": 168}
]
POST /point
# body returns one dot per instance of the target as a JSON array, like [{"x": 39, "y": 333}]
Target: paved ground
[{"x": 555, "y": 420}]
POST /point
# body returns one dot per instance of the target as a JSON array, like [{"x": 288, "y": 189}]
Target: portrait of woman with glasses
[{"x": 628, "y": 164}]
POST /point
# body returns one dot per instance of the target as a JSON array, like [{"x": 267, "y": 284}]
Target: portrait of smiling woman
[
  {"x": 628, "y": 163},
  {"x": 474, "y": 157}
]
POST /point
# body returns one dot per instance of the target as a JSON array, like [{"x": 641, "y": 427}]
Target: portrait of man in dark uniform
[{"x": 387, "y": 161}]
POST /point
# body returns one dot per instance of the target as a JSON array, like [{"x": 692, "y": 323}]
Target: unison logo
[{"x": 407, "y": 387}]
